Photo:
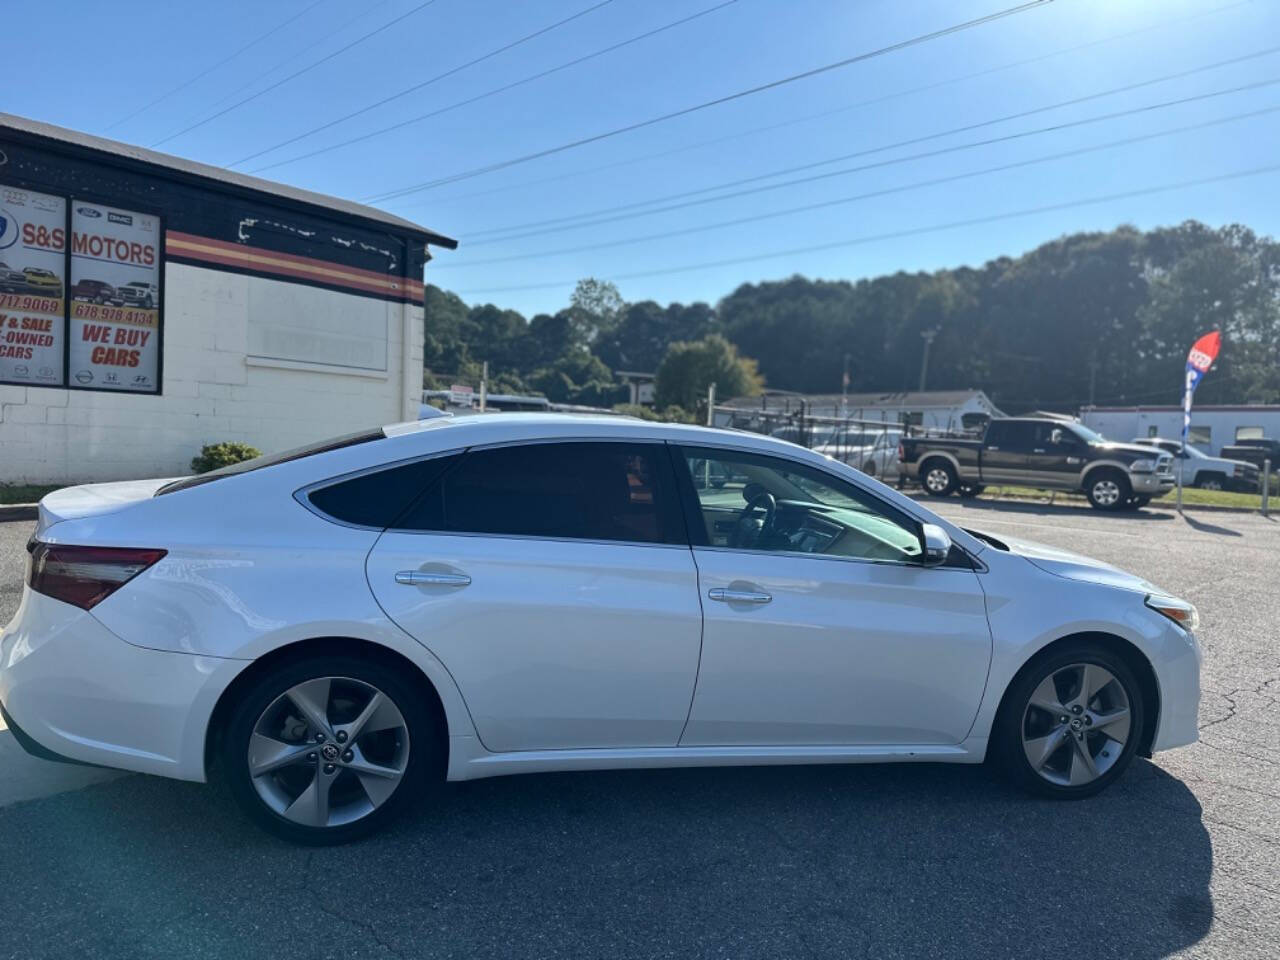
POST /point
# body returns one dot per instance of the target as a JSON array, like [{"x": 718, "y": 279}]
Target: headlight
[
  {"x": 1179, "y": 611},
  {"x": 1143, "y": 466}
]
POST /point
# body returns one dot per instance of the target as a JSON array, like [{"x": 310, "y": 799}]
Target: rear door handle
[
  {"x": 416, "y": 578},
  {"x": 738, "y": 596}
]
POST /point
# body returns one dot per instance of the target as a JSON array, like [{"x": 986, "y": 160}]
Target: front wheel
[
  {"x": 1070, "y": 723},
  {"x": 1107, "y": 490},
  {"x": 1210, "y": 481},
  {"x": 327, "y": 749}
]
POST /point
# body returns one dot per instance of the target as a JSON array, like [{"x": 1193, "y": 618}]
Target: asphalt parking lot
[{"x": 1180, "y": 858}]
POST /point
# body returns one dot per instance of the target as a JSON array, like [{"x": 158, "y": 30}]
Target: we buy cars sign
[
  {"x": 33, "y": 244},
  {"x": 115, "y": 298}
]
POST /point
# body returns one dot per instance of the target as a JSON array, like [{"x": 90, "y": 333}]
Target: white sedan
[{"x": 332, "y": 628}]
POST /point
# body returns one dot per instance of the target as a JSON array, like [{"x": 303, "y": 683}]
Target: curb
[
  {"x": 1169, "y": 507},
  {"x": 19, "y": 511}
]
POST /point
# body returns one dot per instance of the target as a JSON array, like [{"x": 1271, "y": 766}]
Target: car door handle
[
  {"x": 1039, "y": 450},
  {"x": 416, "y": 578},
  {"x": 738, "y": 596}
]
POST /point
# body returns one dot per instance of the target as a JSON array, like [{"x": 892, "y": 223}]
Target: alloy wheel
[
  {"x": 1076, "y": 724},
  {"x": 1106, "y": 492},
  {"x": 937, "y": 480},
  {"x": 328, "y": 751}
]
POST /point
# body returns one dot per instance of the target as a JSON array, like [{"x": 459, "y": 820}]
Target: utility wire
[
  {"x": 685, "y": 111},
  {"x": 208, "y": 70},
  {"x": 888, "y": 191},
  {"x": 297, "y": 73},
  {"x": 541, "y": 227},
  {"x": 898, "y": 234},
  {"x": 496, "y": 90},
  {"x": 696, "y": 145},
  {"x": 297, "y": 55},
  {"x": 419, "y": 86}
]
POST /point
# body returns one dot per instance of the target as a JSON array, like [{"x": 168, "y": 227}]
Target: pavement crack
[{"x": 319, "y": 900}]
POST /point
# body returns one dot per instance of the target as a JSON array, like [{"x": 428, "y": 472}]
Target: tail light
[
  {"x": 902, "y": 451},
  {"x": 84, "y": 576}
]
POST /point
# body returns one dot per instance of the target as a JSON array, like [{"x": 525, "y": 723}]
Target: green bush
[{"x": 215, "y": 455}]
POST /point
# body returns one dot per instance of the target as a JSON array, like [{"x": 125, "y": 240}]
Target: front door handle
[
  {"x": 417, "y": 578},
  {"x": 738, "y": 596}
]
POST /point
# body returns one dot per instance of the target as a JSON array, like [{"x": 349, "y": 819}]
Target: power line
[
  {"x": 896, "y": 234},
  {"x": 362, "y": 15},
  {"x": 685, "y": 111},
  {"x": 695, "y": 145},
  {"x": 539, "y": 227},
  {"x": 502, "y": 89},
  {"x": 297, "y": 73},
  {"x": 208, "y": 70},
  {"x": 888, "y": 191},
  {"x": 425, "y": 83}
]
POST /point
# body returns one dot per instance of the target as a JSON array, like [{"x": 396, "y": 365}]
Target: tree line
[{"x": 1102, "y": 317}]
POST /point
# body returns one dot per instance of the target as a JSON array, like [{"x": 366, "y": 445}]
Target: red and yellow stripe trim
[{"x": 186, "y": 246}]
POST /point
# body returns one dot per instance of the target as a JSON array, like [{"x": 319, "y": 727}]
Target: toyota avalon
[{"x": 334, "y": 628}]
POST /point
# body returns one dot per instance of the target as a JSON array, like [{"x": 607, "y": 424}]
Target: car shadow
[
  {"x": 1059, "y": 509},
  {"x": 825, "y": 861}
]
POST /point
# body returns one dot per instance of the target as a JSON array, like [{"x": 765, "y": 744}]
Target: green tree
[
  {"x": 594, "y": 308},
  {"x": 690, "y": 367}
]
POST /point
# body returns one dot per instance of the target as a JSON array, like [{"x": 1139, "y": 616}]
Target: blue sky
[{"x": 1061, "y": 51}]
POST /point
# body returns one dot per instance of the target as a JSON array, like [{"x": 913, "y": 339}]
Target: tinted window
[
  {"x": 1011, "y": 434},
  {"x": 752, "y": 502},
  {"x": 579, "y": 490},
  {"x": 378, "y": 499}
]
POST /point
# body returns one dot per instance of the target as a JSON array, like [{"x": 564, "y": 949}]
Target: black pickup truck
[{"x": 1043, "y": 453}]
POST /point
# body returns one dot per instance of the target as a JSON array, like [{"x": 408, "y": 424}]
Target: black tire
[
  {"x": 869, "y": 468},
  {"x": 970, "y": 490},
  {"x": 1016, "y": 718},
  {"x": 423, "y": 740},
  {"x": 1107, "y": 489},
  {"x": 1211, "y": 481},
  {"x": 938, "y": 477}
]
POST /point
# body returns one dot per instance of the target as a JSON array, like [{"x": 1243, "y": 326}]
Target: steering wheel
[{"x": 746, "y": 533}]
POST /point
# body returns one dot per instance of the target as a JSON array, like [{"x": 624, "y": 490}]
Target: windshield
[
  {"x": 1087, "y": 435},
  {"x": 270, "y": 460}
]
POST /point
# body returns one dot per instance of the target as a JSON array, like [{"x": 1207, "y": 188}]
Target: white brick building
[{"x": 267, "y": 315}]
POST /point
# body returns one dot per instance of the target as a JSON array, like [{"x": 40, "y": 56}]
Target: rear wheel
[
  {"x": 938, "y": 478},
  {"x": 1070, "y": 722},
  {"x": 1107, "y": 489},
  {"x": 1211, "y": 481},
  {"x": 327, "y": 749}
]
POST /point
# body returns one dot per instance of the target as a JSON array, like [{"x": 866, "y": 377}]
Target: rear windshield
[{"x": 270, "y": 460}]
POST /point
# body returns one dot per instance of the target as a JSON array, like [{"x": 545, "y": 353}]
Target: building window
[
  {"x": 84, "y": 314},
  {"x": 1249, "y": 433},
  {"x": 1153, "y": 431},
  {"x": 1199, "y": 436}
]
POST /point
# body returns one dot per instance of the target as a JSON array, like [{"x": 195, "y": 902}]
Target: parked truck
[{"x": 1044, "y": 453}]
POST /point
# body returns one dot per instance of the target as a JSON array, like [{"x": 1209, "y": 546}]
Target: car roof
[{"x": 498, "y": 427}]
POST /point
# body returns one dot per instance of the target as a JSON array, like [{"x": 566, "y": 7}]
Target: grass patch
[{"x": 26, "y": 492}]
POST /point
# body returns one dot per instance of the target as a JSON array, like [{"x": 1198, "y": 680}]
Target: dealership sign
[
  {"x": 115, "y": 298},
  {"x": 79, "y": 293},
  {"x": 33, "y": 244}
]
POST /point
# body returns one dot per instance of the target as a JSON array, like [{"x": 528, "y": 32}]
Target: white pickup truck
[{"x": 1209, "y": 473}]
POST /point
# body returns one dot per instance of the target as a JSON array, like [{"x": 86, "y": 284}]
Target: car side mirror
[{"x": 936, "y": 543}]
